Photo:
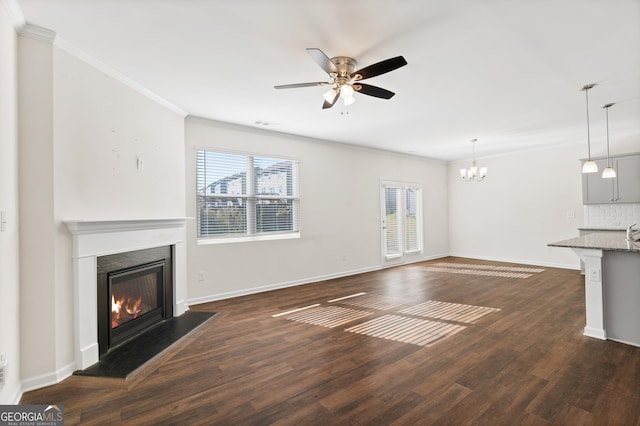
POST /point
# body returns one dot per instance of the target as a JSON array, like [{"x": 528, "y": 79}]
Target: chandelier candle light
[
  {"x": 609, "y": 172},
  {"x": 474, "y": 173},
  {"x": 589, "y": 166}
]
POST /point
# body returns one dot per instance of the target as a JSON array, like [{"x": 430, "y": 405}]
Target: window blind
[
  {"x": 412, "y": 224},
  {"x": 402, "y": 219},
  {"x": 245, "y": 195}
]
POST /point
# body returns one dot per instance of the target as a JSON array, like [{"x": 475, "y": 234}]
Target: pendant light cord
[
  {"x": 606, "y": 111},
  {"x": 474, "y": 151},
  {"x": 586, "y": 96}
]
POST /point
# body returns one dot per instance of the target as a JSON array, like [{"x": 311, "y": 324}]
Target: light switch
[
  {"x": 594, "y": 274},
  {"x": 3, "y": 221}
]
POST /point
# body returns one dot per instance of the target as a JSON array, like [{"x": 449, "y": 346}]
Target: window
[
  {"x": 246, "y": 197},
  {"x": 401, "y": 219}
]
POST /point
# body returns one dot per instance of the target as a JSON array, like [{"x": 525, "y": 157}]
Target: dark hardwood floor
[{"x": 526, "y": 362}]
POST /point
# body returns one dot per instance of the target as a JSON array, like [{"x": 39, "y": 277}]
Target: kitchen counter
[
  {"x": 612, "y": 284},
  {"x": 608, "y": 240}
]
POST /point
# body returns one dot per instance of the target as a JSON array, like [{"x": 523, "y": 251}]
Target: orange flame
[{"x": 124, "y": 309}]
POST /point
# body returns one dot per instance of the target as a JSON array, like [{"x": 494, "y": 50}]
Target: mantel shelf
[{"x": 80, "y": 227}]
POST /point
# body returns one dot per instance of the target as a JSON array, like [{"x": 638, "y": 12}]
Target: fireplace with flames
[{"x": 134, "y": 294}]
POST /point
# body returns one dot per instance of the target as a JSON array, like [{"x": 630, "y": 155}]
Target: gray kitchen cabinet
[
  {"x": 624, "y": 188},
  {"x": 627, "y": 182}
]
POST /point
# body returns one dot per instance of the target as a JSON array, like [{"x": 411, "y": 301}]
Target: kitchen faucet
[{"x": 631, "y": 233}]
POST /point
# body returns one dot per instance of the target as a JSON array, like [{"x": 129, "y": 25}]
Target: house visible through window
[{"x": 243, "y": 196}]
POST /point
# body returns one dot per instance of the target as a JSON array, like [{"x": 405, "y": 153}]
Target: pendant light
[
  {"x": 589, "y": 166},
  {"x": 473, "y": 173},
  {"x": 609, "y": 172}
]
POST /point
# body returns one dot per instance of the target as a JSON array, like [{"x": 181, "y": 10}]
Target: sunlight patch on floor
[
  {"x": 346, "y": 297},
  {"x": 490, "y": 267},
  {"x": 330, "y": 316},
  {"x": 449, "y": 311},
  {"x": 372, "y": 301},
  {"x": 406, "y": 330},
  {"x": 477, "y": 272}
]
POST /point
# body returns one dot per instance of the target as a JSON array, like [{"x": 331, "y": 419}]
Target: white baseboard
[
  {"x": 48, "y": 379},
  {"x": 15, "y": 395},
  {"x": 277, "y": 286},
  {"x": 181, "y": 307},
  {"x": 595, "y": 333}
]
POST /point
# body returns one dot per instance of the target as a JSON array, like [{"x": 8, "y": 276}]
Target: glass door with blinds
[{"x": 401, "y": 219}]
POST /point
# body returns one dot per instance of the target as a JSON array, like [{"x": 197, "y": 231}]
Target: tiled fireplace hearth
[{"x": 92, "y": 239}]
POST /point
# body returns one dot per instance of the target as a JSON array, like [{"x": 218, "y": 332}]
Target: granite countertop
[{"x": 601, "y": 241}]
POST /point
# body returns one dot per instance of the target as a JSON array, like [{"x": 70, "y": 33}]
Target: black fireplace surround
[{"x": 135, "y": 292}]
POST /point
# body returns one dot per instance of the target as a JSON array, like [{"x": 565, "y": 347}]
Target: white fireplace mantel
[{"x": 92, "y": 239}]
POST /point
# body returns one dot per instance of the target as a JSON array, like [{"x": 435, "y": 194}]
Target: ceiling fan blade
[
  {"x": 323, "y": 60},
  {"x": 370, "y": 90},
  {"x": 381, "y": 67},
  {"x": 296, "y": 85},
  {"x": 327, "y": 104}
]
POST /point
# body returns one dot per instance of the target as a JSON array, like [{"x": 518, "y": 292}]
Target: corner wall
[
  {"x": 81, "y": 132},
  {"x": 340, "y": 220},
  {"x": 528, "y": 200},
  {"x": 9, "y": 235}
]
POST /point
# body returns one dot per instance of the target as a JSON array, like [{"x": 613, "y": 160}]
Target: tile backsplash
[{"x": 616, "y": 216}]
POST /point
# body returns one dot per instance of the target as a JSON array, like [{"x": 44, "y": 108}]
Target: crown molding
[
  {"x": 116, "y": 75},
  {"x": 15, "y": 14},
  {"x": 37, "y": 33}
]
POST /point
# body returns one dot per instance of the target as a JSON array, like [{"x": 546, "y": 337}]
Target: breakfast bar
[{"x": 612, "y": 284}]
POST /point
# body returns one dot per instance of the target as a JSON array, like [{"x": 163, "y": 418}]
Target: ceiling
[{"x": 506, "y": 72}]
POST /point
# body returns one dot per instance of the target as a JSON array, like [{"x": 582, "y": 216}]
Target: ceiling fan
[{"x": 345, "y": 81}]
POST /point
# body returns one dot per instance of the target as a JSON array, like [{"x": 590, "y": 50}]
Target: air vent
[{"x": 264, "y": 123}]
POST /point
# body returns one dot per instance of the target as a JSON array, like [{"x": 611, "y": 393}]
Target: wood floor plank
[{"x": 527, "y": 362}]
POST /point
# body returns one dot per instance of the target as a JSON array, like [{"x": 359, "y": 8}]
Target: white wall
[
  {"x": 80, "y": 133},
  {"x": 9, "y": 237},
  {"x": 525, "y": 202},
  {"x": 339, "y": 219}
]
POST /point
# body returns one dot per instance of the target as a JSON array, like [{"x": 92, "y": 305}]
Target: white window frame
[{"x": 251, "y": 199}]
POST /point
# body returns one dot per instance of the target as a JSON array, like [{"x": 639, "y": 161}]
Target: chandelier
[{"x": 473, "y": 173}]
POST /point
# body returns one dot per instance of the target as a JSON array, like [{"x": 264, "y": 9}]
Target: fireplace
[
  {"x": 93, "y": 240},
  {"x": 135, "y": 292}
]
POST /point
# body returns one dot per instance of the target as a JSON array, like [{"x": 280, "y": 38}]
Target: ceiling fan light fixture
[
  {"x": 342, "y": 72},
  {"x": 346, "y": 93},
  {"x": 330, "y": 94},
  {"x": 348, "y": 100}
]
